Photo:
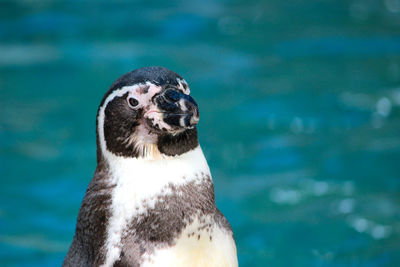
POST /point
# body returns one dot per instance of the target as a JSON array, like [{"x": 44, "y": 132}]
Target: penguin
[{"x": 151, "y": 200}]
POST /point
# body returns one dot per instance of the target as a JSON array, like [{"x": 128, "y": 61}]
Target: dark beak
[{"x": 178, "y": 109}]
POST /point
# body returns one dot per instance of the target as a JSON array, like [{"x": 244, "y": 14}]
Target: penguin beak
[{"x": 178, "y": 109}]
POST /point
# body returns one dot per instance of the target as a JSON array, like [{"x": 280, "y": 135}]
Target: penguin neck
[{"x": 152, "y": 174}]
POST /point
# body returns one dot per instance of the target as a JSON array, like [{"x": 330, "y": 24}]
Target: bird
[{"x": 151, "y": 200}]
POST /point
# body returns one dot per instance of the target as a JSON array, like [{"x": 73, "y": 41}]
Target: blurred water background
[{"x": 300, "y": 119}]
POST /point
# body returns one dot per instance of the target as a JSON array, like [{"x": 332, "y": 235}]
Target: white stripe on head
[
  {"x": 133, "y": 90},
  {"x": 182, "y": 84}
]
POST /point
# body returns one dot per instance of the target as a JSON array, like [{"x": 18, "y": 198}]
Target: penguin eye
[{"x": 133, "y": 102}]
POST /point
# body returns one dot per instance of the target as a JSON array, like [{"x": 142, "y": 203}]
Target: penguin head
[{"x": 146, "y": 112}]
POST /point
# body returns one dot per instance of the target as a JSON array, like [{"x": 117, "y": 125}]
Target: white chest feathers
[
  {"x": 143, "y": 180},
  {"x": 207, "y": 247}
]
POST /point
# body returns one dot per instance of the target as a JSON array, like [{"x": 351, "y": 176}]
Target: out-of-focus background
[{"x": 300, "y": 119}]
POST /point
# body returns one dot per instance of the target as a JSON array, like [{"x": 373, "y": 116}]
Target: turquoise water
[{"x": 300, "y": 119}]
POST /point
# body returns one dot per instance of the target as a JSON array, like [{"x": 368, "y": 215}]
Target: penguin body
[{"x": 151, "y": 201}]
